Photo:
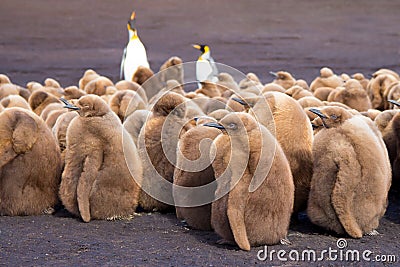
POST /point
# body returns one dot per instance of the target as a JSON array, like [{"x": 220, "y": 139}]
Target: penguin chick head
[
  {"x": 282, "y": 75},
  {"x": 170, "y": 103},
  {"x": 236, "y": 124},
  {"x": 203, "y": 48},
  {"x": 89, "y": 106},
  {"x": 248, "y": 102},
  {"x": 132, "y": 22},
  {"x": 331, "y": 117}
]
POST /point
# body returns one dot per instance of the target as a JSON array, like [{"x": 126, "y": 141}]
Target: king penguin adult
[
  {"x": 134, "y": 53},
  {"x": 206, "y": 68}
]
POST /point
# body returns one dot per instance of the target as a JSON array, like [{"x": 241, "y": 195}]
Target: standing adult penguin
[
  {"x": 135, "y": 54},
  {"x": 206, "y": 69}
]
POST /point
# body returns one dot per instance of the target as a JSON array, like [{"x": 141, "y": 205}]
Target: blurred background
[{"x": 61, "y": 39}]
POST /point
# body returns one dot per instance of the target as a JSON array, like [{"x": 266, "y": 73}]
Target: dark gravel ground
[{"x": 60, "y": 39}]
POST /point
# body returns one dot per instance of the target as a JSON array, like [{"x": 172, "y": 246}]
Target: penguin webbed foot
[
  {"x": 49, "y": 211},
  {"x": 226, "y": 242},
  {"x": 373, "y": 233},
  {"x": 121, "y": 217},
  {"x": 285, "y": 241}
]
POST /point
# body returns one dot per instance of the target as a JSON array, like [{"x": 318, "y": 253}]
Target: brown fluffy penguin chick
[
  {"x": 7, "y": 89},
  {"x": 388, "y": 123},
  {"x": 50, "y": 82},
  {"x": 134, "y": 123},
  {"x": 15, "y": 101},
  {"x": 172, "y": 69},
  {"x": 128, "y": 85},
  {"x": 393, "y": 94},
  {"x": 297, "y": 92},
  {"x": 352, "y": 175},
  {"x": 142, "y": 74},
  {"x": 60, "y": 131},
  {"x": 194, "y": 169},
  {"x": 88, "y": 76},
  {"x": 39, "y": 100},
  {"x": 273, "y": 87},
  {"x": 326, "y": 79},
  {"x": 310, "y": 101},
  {"x": 4, "y": 79},
  {"x": 251, "y": 167},
  {"x": 98, "y": 86},
  {"x": 289, "y": 123},
  {"x": 96, "y": 182},
  {"x": 360, "y": 77},
  {"x": 371, "y": 113},
  {"x": 284, "y": 79},
  {"x": 377, "y": 89},
  {"x": 395, "y": 135},
  {"x": 218, "y": 114},
  {"x": 384, "y": 72},
  {"x": 157, "y": 145},
  {"x": 30, "y": 164},
  {"x": 124, "y": 103},
  {"x": 209, "y": 89},
  {"x": 303, "y": 84},
  {"x": 353, "y": 96},
  {"x": 322, "y": 93},
  {"x": 227, "y": 83},
  {"x": 215, "y": 104},
  {"x": 53, "y": 116},
  {"x": 73, "y": 92},
  {"x": 250, "y": 81}
]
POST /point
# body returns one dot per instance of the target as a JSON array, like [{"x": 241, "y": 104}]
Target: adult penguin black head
[
  {"x": 132, "y": 22},
  {"x": 203, "y": 48}
]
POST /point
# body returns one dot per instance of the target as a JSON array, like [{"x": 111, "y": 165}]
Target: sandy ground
[{"x": 60, "y": 39}]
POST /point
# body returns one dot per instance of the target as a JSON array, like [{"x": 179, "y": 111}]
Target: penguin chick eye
[
  {"x": 232, "y": 126},
  {"x": 333, "y": 117}
]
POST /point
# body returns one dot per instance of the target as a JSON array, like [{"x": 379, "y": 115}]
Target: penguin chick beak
[
  {"x": 215, "y": 125},
  {"x": 240, "y": 101},
  {"x": 68, "y": 105},
  {"x": 318, "y": 113},
  {"x": 394, "y": 102},
  {"x": 273, "y": 73}
]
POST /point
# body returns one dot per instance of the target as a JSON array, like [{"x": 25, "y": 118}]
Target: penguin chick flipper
[
  {"x": 236, "y": 208},
  {"x": 88, "y": 176},
  {"x": 121, "y": 72},
  {"x": 7, "y": 154},
  {"x": 344, "y": 188},
  {"x": 22, "y": 137}
]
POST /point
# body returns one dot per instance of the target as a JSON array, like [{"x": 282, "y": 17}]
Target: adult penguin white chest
[
  {"x": 206, "y": 68},
  {"x": 135, "y": 54}
]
